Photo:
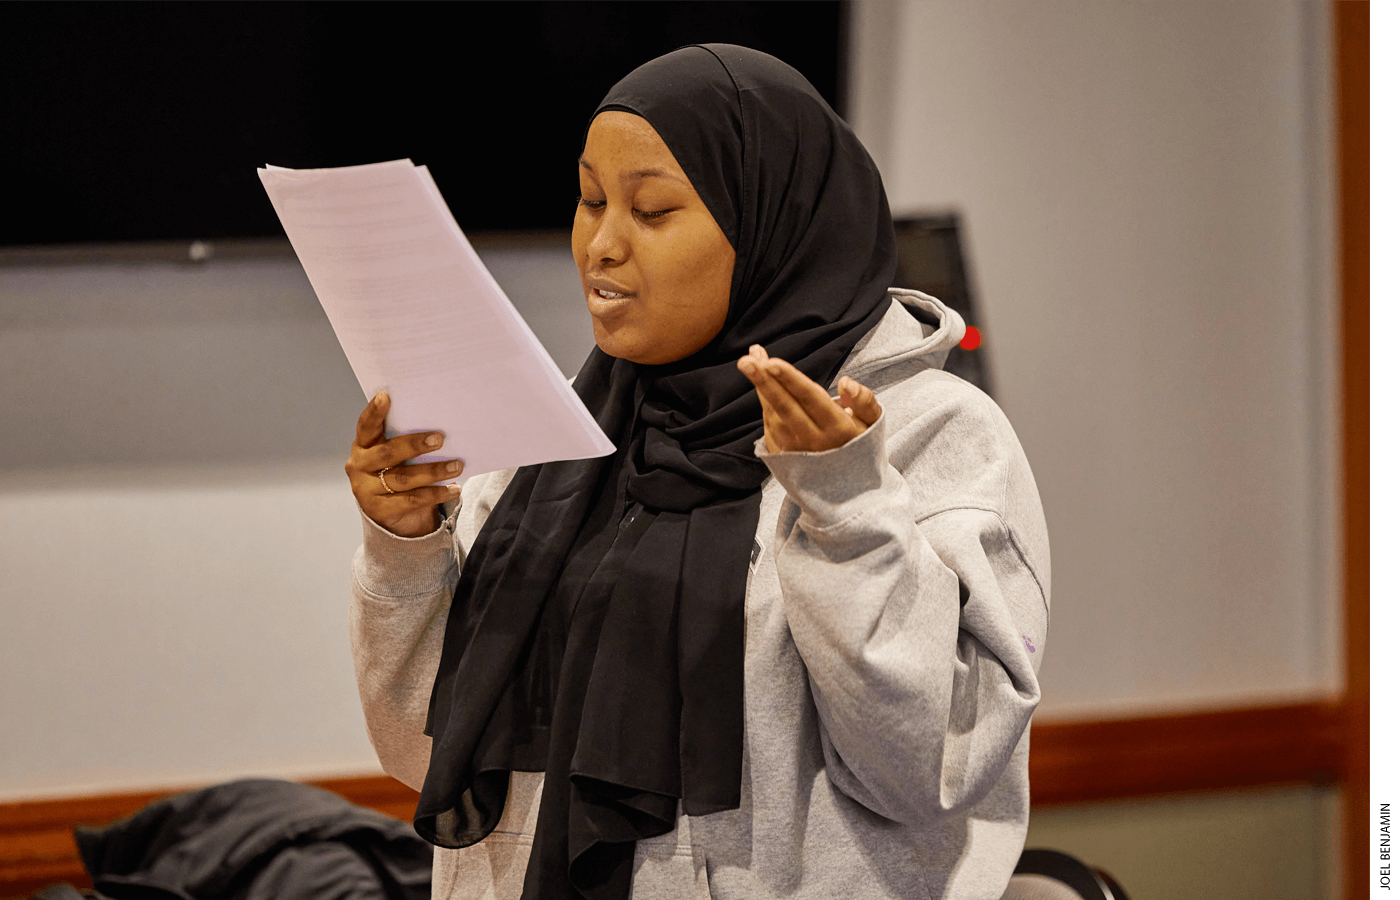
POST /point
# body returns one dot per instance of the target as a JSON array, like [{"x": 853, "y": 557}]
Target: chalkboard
[{"x": 146, "y": 121}]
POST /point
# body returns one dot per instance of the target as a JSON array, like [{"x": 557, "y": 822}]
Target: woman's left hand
[{"x": 798, "y": 413}]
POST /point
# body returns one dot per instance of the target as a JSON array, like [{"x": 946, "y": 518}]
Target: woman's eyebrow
[
  {"x": 648, "y": 173},
  {"x": 636, "y": 174}
]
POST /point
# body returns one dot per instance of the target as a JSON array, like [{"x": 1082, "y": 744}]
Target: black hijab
[{"x": 597, "y": 632}]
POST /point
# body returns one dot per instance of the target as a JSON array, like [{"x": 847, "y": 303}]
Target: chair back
[
  {"x": 1039, "y": 887},
  {"x": 1051, "y": 875}
]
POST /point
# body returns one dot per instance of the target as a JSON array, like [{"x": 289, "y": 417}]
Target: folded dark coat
[{"x": 257, "y": 839}]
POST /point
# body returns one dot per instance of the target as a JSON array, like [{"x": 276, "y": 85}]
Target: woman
[{"x": 779, "y": 644}]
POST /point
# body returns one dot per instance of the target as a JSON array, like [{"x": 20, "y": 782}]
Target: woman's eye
[{"x": 641, "y": 214}]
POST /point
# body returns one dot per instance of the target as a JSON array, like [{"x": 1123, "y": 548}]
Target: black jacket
[{"x": 257, "y": 840}]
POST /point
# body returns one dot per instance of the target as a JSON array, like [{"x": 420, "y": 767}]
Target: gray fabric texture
[{"x": 895, "y": 619}]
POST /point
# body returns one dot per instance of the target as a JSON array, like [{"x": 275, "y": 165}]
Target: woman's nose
[{"x": 609, "y": 242}]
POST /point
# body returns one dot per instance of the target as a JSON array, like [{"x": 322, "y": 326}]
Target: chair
[{"x": 1052, "y": 875}]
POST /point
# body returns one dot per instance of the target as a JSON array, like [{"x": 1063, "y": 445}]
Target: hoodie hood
[{"x": 917, "y": 328}]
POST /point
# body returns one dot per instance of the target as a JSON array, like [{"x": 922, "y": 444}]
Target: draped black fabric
[{"x": 597, "y": 632}]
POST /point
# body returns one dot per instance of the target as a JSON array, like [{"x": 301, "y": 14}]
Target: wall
[
  {"x": 1266, "y": 844},
  {"x": 1147, "y": 193},
  {"x": 175, "y": 528}
]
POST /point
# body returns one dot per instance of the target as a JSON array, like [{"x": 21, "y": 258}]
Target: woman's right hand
[{"x": 409, "y": 507}]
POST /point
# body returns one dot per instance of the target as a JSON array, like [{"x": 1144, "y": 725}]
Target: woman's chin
[
  {"x": 614, "y": 342},
  {"x": 644, "y": 346},
  {"x": 643, "y": 354}
]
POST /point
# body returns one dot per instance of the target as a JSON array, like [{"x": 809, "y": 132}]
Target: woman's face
[{"x": 655, "y": 266}]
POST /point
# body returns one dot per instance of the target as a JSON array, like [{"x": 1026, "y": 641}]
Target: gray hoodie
[{"x": 896, "y": 615}]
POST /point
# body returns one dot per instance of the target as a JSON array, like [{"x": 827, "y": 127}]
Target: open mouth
[{"x": 602, "y": 304}]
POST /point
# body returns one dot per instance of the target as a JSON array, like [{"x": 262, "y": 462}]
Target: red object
[{"x": 971, "y": 340}]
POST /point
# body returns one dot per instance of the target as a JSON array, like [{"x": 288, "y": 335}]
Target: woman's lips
[{"x": 604, "y": 304}]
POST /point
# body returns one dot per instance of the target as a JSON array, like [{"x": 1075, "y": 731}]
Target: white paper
[{"x": 419, "y": 316}]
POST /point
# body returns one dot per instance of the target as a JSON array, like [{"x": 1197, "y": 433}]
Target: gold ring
[{"x": 385, "y": 483}]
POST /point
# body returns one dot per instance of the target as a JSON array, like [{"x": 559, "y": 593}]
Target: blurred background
[{"x": 1151, "y": 208}]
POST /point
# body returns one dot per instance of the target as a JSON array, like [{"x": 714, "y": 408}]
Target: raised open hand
[{"x": 798, "y": 413}]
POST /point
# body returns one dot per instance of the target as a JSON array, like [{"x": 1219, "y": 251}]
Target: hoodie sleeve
[
  {"x": 400, "y": 592},
  {"x": 914, "y": 572}
]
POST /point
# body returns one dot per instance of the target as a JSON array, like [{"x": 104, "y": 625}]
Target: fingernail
[
  {"x": 454, "y": 467},
  {"x": 453, "y": 490},
  {"x": 746, "y": 366},
  {"x": 379, "y": 398},
  {"x": 434, "y": 440}
]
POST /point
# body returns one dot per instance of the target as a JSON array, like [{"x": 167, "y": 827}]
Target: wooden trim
[
  {"x": 1352, "y": 35},
  {"x": 1070, "y": 762},
  {"x": 1075, "y": 762}
]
